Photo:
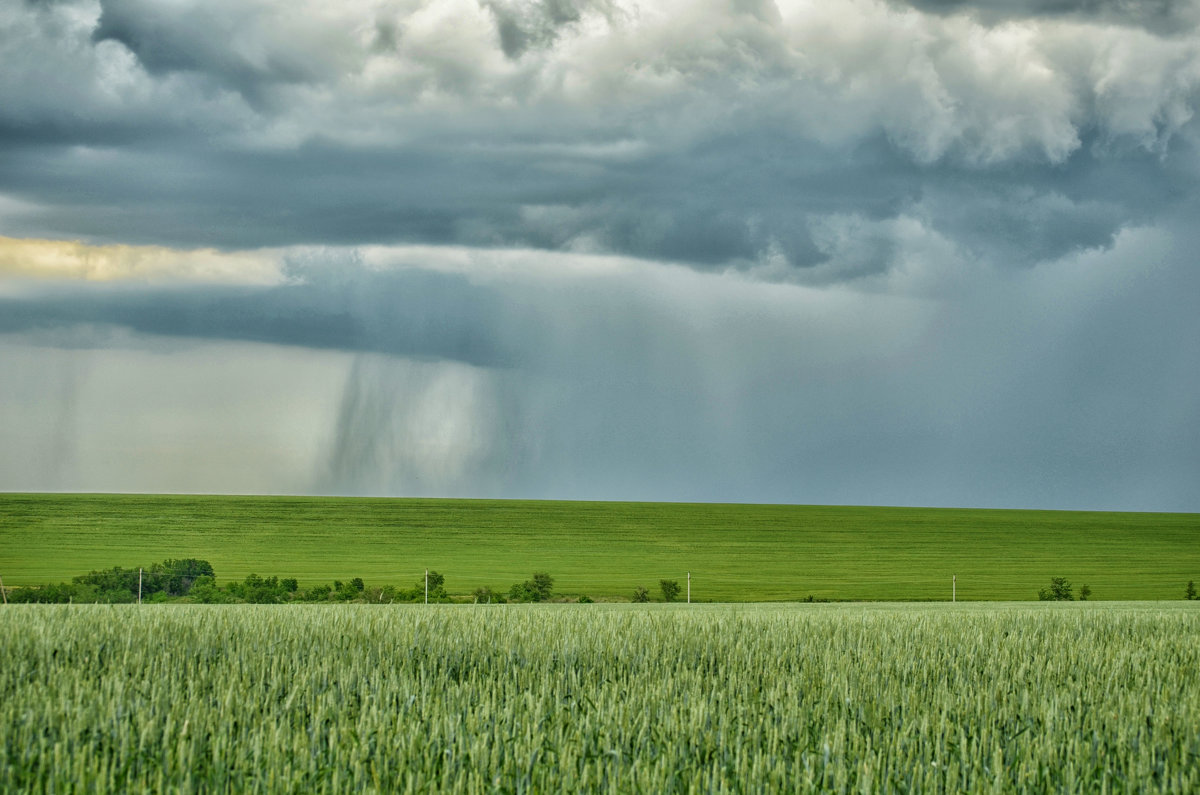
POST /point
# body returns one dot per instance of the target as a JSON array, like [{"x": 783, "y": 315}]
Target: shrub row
[{"x": 192, "y": 580}]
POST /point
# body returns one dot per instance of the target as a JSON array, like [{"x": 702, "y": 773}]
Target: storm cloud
[{"x": 860, "y": 251}]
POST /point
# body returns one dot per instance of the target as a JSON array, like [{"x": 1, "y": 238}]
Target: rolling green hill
[{"x": 735, "y": 552}]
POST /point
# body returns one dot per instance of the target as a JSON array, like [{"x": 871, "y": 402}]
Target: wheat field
[{"x": 1078, "y": 697}]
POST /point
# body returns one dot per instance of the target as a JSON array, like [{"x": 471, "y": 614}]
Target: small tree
[
  {"x": 670, "y": 589},
  {"x": 1059, "y": 591},
  {"x": 1190, "y": 593},
  {"x": 640, "y": 594},
  {"x": 543, "y": 583},
  {"x": 1085, "y": 591},
  {"x": 437, "y": 587},
  {"x": 539, "y": 589}
]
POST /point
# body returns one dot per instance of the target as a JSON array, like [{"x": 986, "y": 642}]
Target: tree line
[
  {"x": 194, "y": 581},
  {"x": 1061, "y": 590}
]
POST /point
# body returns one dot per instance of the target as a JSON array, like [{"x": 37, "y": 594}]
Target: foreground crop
[{"x": 1075, "y": 698}]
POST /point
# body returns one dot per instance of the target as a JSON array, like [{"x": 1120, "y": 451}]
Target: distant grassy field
[{"x": 735, "y": 552}]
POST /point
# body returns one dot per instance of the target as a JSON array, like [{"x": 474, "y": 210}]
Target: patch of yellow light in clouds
[{"x": 31, "y": 258}]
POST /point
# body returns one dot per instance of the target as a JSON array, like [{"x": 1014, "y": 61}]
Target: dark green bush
[
  {"x": 538, "y": 589},
  {"x": 1059, "y": 591},
  {"x": 486, "y": 595},
  {"x": 670, "y": 589}
]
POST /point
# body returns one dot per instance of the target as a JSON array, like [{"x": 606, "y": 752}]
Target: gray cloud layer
[
  {"x": 1165, "y": 17},
  {"x": 961, "y": 233},
  {"x": 720, "y": 134}
]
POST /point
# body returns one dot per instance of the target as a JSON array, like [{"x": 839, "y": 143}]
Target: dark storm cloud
[
  {"x": 410, "y": 313},
  {"x": 1024, "y": 216},
  {"x": 524, "y": 26},
  {"x": 720, "y": 203},
  {"x": 197, "y": 39},
  {"x": 751, "y": 199},
  {"x": 1161, "y": 16}
]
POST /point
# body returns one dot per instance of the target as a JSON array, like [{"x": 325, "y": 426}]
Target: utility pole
[
  {"x": 954, "y": 588},
  {"x": 689, "y": 587},
  {"x": 139, "y": 585},
  {"x": 3, "y": 592},
  {"x": 426, "y": 586}
]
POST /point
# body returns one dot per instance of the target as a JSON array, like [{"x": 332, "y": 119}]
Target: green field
[
  {"x": 1077, "y": 697},
  {"x": 735, "y": 552}
]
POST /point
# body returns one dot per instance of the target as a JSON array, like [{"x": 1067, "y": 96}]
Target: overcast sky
[{"x": 940, "y": 252}]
